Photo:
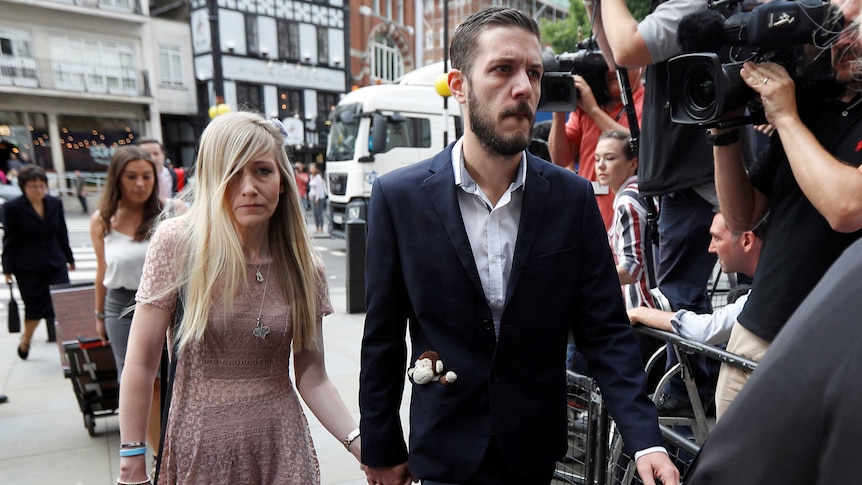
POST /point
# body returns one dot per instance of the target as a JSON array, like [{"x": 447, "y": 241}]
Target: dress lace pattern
[{"x": 235, "y": 416}]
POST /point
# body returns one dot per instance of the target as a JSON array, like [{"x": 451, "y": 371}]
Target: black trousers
[{"x": 495, "y": 471}]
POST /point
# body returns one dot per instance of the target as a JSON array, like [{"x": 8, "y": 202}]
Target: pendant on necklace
[
  {"x": 260, "y": 330},
  {"x": 258, "y": 276}
]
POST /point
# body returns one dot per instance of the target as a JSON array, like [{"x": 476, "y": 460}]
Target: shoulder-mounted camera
[
  {"x": 706, "y": 82},
  {"x": 558, "y": 88}
]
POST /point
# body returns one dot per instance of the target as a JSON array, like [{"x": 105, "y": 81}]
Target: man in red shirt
[{"x": 575, "y": 140}]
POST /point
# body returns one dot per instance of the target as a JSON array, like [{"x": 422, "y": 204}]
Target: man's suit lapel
[
  {"x": 441, "y": 188},
  {"x": 535, "y": 194}
]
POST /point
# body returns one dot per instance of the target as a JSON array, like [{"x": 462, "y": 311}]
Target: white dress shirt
[
  {"x": 711, "y": 328},
  {"x": 491, "y": 229}
]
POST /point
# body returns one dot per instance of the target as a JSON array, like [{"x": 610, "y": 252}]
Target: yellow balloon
[
  {"x": 218, "y": 109},
  {"x": 442, "y": 85}
]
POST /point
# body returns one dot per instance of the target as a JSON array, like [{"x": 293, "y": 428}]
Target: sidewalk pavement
[{"x": 42, "y": 434}]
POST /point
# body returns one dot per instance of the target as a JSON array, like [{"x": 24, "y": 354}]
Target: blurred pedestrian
[
  {"x": 167, "y": 178},
  {"x": 317, "y": 195},
  {"x": 302, "y": 179},
  {"x": 36, "y": 250},
  {"x": 81, "y": 190}
]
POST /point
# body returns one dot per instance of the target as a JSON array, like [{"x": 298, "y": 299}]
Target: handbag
[{"x": 14, "y": 318}]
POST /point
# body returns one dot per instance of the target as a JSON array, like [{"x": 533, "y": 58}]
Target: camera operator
[
  {"x": 675, "y": 163},
  {"x": 808, "y": 180},
  {"x": 576, "y": 138}
]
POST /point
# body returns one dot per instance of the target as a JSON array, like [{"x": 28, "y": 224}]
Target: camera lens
[
  {"x": 700, "y": 88},
  {"x": 558, "y": 91}
]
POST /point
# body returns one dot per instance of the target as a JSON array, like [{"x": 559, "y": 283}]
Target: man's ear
[
  {"x": 457, "y": 84},
  {"x": 747, "y": 241}
]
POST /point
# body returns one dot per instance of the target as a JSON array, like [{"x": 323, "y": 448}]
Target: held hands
[
  {"x": 393, "y": 475},
  {"x": 657, "y": 465},
  {"x": 776, "y": 89}
]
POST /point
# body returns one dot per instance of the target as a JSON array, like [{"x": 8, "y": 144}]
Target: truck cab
[{"x": 376, "y": 129}]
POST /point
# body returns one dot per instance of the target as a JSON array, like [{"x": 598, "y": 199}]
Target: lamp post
[
  {"x": 445, "y": 69},
  {"x": 219, "y": 107}
]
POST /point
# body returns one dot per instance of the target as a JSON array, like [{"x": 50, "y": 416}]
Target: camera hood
[{"x": 704, "y": 88}]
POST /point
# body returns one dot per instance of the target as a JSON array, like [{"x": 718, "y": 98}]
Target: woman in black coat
[{"x": 36, "y": 250}]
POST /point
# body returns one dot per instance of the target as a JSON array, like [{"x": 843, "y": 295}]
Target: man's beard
[{"x": 487, "y": 129}]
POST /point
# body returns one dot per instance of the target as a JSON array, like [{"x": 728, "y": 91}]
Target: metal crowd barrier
[{"x": 595, "y": 456}]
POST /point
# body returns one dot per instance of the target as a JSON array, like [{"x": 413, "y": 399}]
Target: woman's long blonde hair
[{"x": 213, "y": 251}]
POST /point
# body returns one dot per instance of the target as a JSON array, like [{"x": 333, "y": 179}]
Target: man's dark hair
[
  {"x": 462, "y": 50},
  {"x": 29, "y": 173},
  {"x": 143, "y": 141}
]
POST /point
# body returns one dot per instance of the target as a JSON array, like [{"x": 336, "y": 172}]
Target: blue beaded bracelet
[{"x": 133, "y": 451}]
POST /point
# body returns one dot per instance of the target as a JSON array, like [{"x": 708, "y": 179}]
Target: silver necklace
[
  {"x": 260, "y": 330},
  {"x": 257, "y": 274}
]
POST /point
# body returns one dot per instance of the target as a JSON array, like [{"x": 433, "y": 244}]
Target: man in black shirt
[{"x": 793, "y": 181}]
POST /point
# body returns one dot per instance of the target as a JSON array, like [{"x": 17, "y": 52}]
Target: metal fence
[{"x": 595, "y": 454}]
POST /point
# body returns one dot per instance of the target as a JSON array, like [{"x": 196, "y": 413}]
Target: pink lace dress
[{"x": 235, "y": 416}]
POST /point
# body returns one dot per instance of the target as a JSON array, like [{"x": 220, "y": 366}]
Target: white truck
[{"x": 376, "y": 129}]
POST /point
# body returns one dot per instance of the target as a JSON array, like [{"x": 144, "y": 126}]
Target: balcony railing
[
  {"x": 74, "y": 77},
  {"x": 130, "y": 6}
]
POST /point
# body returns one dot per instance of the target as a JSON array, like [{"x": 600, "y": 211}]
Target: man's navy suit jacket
[{"x": 420, "y": 269}]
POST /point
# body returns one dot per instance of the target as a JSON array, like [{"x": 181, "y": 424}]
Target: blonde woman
[{"x": 240, "y": 270}]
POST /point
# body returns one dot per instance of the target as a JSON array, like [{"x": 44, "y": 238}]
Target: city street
[{"x": 43, "y": 436}]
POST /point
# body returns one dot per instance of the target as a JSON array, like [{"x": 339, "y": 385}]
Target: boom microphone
[{"x": 701, "y": 32}]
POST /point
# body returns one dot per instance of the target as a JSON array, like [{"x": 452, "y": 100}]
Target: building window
[
  {"x": 386, "y": 62},
  {"x": 251, "y": 34},
  {"x": 413, "y": 132},
  {"x": 288, "y": 40},
  {"x": 326, "y": 103},
  {"x": 17, "y": 64},
  {"x": 323, "y": 45},
  {"x": 89, "y": 143},
  {"x": 94, "y": 65},
  {"x": 289, "y": 103},
  {"x": 249, "y": 97},
  {"x": 429, "y": 39},
  {"x": 28, "y": 133},
  {"x": 170, "y": 66},
  {"x": 122, "y": 5},
  {"x": 6, "y": 47}
]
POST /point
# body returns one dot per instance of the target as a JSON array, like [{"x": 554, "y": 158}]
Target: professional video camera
[
  {"x": 558, "y": 88},
  {"x": 707, "y": 84}
]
